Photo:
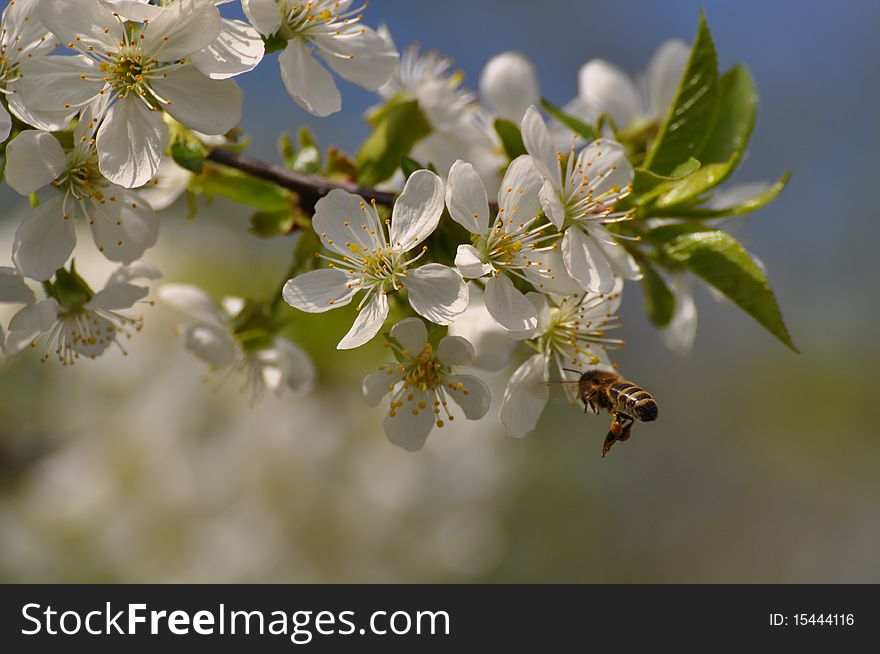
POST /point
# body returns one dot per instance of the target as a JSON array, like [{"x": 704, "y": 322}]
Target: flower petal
[
  {"x": 681, "y": 332},
  {"x": 134, "y": 270},
  {"x": 436, "y": 292},
  {"x": 378, "y": 384},
  {"x": 536, "y": 138},
  {"x": 319, "y": 290},
  {"x": 192, "y": 301},
  {"x": 469, "y": 263},
  {"x": 361, "y": 56},
  {"x": 210, "y": 106},
  {"x": 609, "y": 90},
  {"x": 518, "y": 196},
  {"x": 586, "y": 262},
  {"x": 608, "y": 168},
  {"x": 12, "y": 287},
  {"x": 90, "y": 24},
  {"x": 117, "y": 297},
  {"x": 182, "y": 29},
  {"x": 493, "y": 346},
  {"x": 124, "y": 226},
  {"x": 417, "y": 210},
  {"x": 169, "y": 184},
  {"x": 407, "y": 430},
  {"x": 44, "y": 241},
  {"x": 307, "y": 81},
  {"x": 237, "y": 50},
  {"x": 664, "y": 73},
  {"x": 341, "y": 219},
  {"x": 367, "y": 324},
  {"x": 5, "y": 123},
  {"x": 54, "y": 84},
  {"x": 471, "y": 394},
  {"x": 262, "y": 14},
  {"x": 35, "y": 318},
  {"x": 509, "y": 85},
  {"x": 622, "y": 262},
  {"x": 509, "y": 306},
  {"x": 466, "y": 198},
  {"x": 552, "y": 205},
  {"x": 211, "y": 343},
  {"x": 525, "y": 397},
  {"x": 412, "y": 335},
  {"x": 298, "y": 370},
  {"x": 33, "y": 159},
  {"x": 455, "y": 351},
  {"x": 130, "y": 143}
]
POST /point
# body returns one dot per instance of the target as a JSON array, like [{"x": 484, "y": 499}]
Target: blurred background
[{"x": 763, "y": 467}]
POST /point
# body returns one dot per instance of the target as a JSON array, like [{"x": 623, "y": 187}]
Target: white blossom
[
  {"x": 332, "y": 29},
  {"x": 128, "y": 77},
  {"x": 74, "y": 320},
  {"x": 371, "y": 258},
  {"x": 421, "y": 383},
  {"x": 580, "y": 198},
  {"x": 123, "y": 225},
  {"x": 571, "y": 337},
  {"x": 509, "y": 85},
  {"x": 493, "y": 345},
  {"x": 273, "y": 363}
]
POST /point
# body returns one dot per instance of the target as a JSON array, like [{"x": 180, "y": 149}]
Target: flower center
[
  {"x": 82, "y": 179},
  {"x": 128, "y": 70}
]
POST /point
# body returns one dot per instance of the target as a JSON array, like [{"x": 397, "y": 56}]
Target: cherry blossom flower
[
  {"x": 509, "y": 85},
  {"x": 332, "y": 29},
  {"x": 421, "y": 383},
  {"x": 371, "y": 257},
  {"x": 75, "y": 320},
  {"x": 580, "y": 198},
  {"x": 129, "y": 76},
  {"x": 493, "y": 345}
]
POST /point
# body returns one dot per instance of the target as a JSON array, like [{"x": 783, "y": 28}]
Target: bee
[{"x": 625, "y": 401}]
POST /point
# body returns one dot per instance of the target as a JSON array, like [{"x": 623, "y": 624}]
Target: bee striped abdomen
[{"x": 633, "y": 401}]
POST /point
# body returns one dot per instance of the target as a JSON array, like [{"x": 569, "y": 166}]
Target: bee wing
[{"x": 559, "y": 392}]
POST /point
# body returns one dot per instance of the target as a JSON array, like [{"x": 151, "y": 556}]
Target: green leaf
[
  {"x": 722, "y": 262},
  {"x": 267, "y": 224},
  {"x": 746, "y": 206},
  {"x": 243, "y": 188},
  {"x": 577, "y": 126},
  {"x": 706, "y": 178},
  {"x": 659, "y": 300},
  {"x": 396, "y": 130},
  {"x": 737, "y": 108},
  {"x": 288, "y": 152},
  {"x": 409, "y": 166},
  {"x": 510, "y": 137},
  {"x": 685, "y": 127},
  {"x": 648, "y": 185},
  {"x": 189, "y": 155}
]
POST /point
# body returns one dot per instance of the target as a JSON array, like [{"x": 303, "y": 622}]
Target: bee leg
[
  {"x": 621, "y": 430},
  {"x": 627, "y": 429}
]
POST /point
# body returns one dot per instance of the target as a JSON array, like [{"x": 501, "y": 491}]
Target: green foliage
[
  {"x": 746, "y": 206},
  {"x": 397, "y": 127},
  {"x": 189, "y": 155},
  {"x": 577, "y": 126},
  {"x": 722, "y": 262},
  {"x": 241, "y": 187},
  {"x": 307, "y": 159},
  {"x": 267, "y": 224},
  {"x": 659, "y": 300},
  {"x": 736, "y": 110},
  {"x": 511, "y": 138}
]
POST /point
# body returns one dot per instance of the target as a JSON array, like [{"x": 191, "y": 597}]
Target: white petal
[
  {"x": 552, "y": 205},
  {"x": 412, "y": 335},
  {"x": 417, "y": 210},
  {"x": 469, "y": 262},
  {"x": 124, "y": 226},
  {"x": 369, "y": 321},
  {"x": 525, "y": 397},
  {"x": 138, "y": 11},
  {"x": 182, "y": 29},
  {"x": 91, "y": 24},
  {"x": 493, "y": 346},
  {"x": 46, "y": 120},
  {"x": 377, "y": 384},
  {"x": 536, "y": 138},
  {"x": 681, "y": 332},
  {"x": 466, "y": 198},
  {"x": 473, "y": 397},
  {"x": 298, "y": 370},
  {"x": 607, "y": 167},
  {"x": 586, "y": 261},
  {"x": 169, "y": 184},
  {"x": 33, "y": 159},
  {"x": 364, "y": 57},
  {"x": 130, "y": 143},
  {"x": 509, "y": 306},
  {"x": 233, "y": 305},
  {"x": 319, "y": 290},
  {"x": 307, "y": 81},
  {"x": 556, "y": 280},
  {"x": 13, "y": 288},
  {"x": 621, "y": 261},
  {"x": 237, "y": 50},
  {"x": 211, "y": 343},
  {"x": 192, "y": 301},
  {"x": 518, "y": 196},
  {"x": 455, "y": 351},
  {"x": 5, "y": 123},
  {"x": 509, "y": 85},
  {"x": 436, "y": 292},
  {"x": 117, "y": 297},
  {"x": 44, "y": 240},
  {"x": 35, "y": 318},
  {"x": 54, "y": 84},
  {"x": 211, "y": 106},
  {"x": 263, "y": 14},
  {"x": 664, "y": 73},
  {"x": 407, "y": 430},
  {"x": 135, "y": 270},
  {"x": 609, "y": 90},
  {"x": 337, "y": 208}
]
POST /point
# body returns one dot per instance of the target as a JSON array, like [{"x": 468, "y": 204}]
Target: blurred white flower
[
  {"x": 493, "y": 345},
  {"x": 570, "y": 338},
  {"x": 421, "y": 384},
  {"x": 75, "y": 320},
  {"x": 169, "y": 183},
  {"x": 509, "y": 85},
  {"x": 581, "y": 199},
  {"x": 129, "y": 82},
  {"x": 273, "y": 363},
  {"x": 680, "y": 333},
  {"x": 334, "y": 30},
  {"x": 123, "y": 225},
  {"x": 373, "y": 259}
]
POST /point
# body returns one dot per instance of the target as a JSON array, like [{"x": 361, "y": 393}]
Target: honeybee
[{"x": 625, "y": 401}]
